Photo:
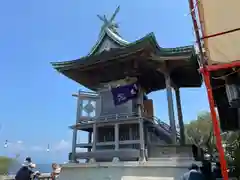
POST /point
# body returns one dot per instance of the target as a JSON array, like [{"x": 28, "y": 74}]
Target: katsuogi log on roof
[{"x": 142, "y": 59}]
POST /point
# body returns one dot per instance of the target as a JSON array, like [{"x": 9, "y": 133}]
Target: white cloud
[
  {"x": 37, "y": 148},
  {"x": 59, "y": 146},
  {"x": 20, "y": 147},
  {"x": 62, "y": 145},
  {"x": 19, "y": 142},
  {"x": 15, "y": 146}
]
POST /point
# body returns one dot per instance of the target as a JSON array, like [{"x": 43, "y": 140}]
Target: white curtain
[{"x": 218, "y": 16}]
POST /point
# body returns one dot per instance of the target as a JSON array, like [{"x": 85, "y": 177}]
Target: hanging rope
[{"x": 224, "y": 76}]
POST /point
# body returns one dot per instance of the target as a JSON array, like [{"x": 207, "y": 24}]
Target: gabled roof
[
  {"x": 144, "y": 58},
  {"x": 107, "y": 32},
  {"x": 110, "y": 65},
  {"x": 147, "y": 42}
]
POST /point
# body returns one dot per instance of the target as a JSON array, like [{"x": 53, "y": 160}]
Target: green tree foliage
[
  {"x": 236, "y": 160},
  {"x": 5, "y": 163},
  {"x": 200, "y": 132}
]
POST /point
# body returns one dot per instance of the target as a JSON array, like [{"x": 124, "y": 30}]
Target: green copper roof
[
  {"x": 114, "y": 37},
  {"x": 146, "y": 41},
  {"x": 91, "y": 70}
]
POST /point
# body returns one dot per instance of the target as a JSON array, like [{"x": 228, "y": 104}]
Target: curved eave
[
  {"x": 107, "y": 32},
  {"x": 143, "y": 42},
  {"x": 147, "y": 41},
  {"x": 103, "y": 57},
  {"x": 178, "y": 51},
  {"x": 183, "y": 60}
]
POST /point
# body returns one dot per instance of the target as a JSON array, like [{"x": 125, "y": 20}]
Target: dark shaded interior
[{"x": 229, "y": 117}]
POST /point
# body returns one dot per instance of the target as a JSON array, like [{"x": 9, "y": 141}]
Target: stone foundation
[{"x": 154, "y": 169}]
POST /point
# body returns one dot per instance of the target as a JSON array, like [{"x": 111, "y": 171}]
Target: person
[
  {"x": 56, "y": 169},
  {"x": 206, "y": 170},
  {"x": 193, "y": 174},
  {"x": 26, "y": 171},
  {"x": 217, "y": 171}
]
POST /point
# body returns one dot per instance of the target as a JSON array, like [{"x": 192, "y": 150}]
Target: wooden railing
[
  {"x": 164, "y": 125},
  {"x": 43, "y": 176}
]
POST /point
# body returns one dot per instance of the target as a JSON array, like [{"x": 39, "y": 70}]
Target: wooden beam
[
  {"x": 107, "y": 143},
  {"x": 169, "y": 58},
  {"x": 84, "y": 94},
  {"x": 125, "y": 154}
]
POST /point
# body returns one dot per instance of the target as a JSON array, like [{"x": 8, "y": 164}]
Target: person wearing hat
[
  {"x": 193, "y": 173},
  {"x": 28, "y": 163},
  {"x": 26, "y": 171}
]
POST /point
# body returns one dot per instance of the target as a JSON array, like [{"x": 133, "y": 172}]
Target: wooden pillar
[
  {"x": 116, "y": 136},
  {"x": 94, "y": 136},
  {"x": 170, "y": 106},
  {"x": 130, "y": 133},
  {"x": 141, "y": 128},
  {"x": 74, "y": 139},
  {"x": 141, "y": 134},
  {"x": 180, "y": 116},
  {"x": 89, "y": 140}
]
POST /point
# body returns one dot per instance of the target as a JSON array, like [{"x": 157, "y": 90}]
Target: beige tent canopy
[{"x": 220, "y": 26}]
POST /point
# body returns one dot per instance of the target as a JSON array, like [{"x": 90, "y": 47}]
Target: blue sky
[{"x": 36, "y": 104}]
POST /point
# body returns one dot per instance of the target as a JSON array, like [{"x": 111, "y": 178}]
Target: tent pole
[{"x": 216, "y": 126}]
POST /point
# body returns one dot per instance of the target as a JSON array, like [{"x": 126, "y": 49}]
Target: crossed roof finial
[{"x": 109, "y": 23}]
